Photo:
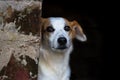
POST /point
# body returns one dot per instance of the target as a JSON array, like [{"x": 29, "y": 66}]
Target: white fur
[
  {"x": 56, "y": 69},
  {"x": 53, "y": 62},
  {"x": 58, "y": 24}
]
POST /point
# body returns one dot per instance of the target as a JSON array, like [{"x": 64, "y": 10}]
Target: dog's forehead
[{"x": 57, "y": 22}]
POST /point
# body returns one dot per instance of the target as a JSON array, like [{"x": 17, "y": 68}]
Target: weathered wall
[{"x": 19, "y": 39}]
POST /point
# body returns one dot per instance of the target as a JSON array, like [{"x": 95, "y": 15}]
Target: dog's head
[{"x": 58, "y": 33}]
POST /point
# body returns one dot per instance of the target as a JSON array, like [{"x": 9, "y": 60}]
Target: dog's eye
[
  {"x": 67, "y": 28},
  {"x": 50, "y": 29}
]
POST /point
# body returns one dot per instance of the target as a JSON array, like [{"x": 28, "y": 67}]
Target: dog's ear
[
  {"x": 42, "y": 24},
  {"x": 43, "y": 20},
  {"x": 79, "y": 34}
]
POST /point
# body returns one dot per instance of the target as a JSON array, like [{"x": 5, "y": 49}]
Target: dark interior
[{"x": 89, "y": 60}]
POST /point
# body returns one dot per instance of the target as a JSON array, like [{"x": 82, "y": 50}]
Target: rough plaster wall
[{"x": 14, "y": 43}]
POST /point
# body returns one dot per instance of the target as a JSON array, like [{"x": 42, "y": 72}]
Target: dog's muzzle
[{"x": 62, "y": 41}]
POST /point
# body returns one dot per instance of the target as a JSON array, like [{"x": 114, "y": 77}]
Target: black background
[{"x": 90, "y": 60}]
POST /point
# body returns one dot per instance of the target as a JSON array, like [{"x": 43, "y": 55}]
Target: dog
[{"x": 57, "y": 34}]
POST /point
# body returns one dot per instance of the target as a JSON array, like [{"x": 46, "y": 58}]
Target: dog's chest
[
  {"x": 52, "y": 67},
  {"x": 54, "y": 72}
]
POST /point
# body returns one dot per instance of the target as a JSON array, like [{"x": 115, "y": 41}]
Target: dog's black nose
[{"x": 62, "y": 40}]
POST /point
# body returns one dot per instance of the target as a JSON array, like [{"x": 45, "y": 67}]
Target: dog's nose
[{"x": 62, "y": 40}]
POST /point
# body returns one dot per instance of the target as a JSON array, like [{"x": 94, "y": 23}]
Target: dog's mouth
[{"x": 62, "y": 47}]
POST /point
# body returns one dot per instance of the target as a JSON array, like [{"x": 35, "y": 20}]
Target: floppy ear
[
  {"x": 43, "y": 20},
  {"x": 79, "y": 34}
]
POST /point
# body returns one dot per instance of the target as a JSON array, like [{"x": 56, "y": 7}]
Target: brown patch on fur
[
  {"x": 44, "y": 24},
  {"x": 76, "y": 26},
  {"x": 72, "y": 31}
]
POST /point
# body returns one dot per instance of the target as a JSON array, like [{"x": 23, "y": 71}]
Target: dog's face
[{"x": 58, "y": 33}]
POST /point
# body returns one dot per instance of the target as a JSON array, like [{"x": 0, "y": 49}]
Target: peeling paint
[
  {"x": 19, "y": 51},
  {"x": 12, "y": 42}
]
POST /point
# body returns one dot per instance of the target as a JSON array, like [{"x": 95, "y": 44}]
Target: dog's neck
[{"x": 54, "y": 66}]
